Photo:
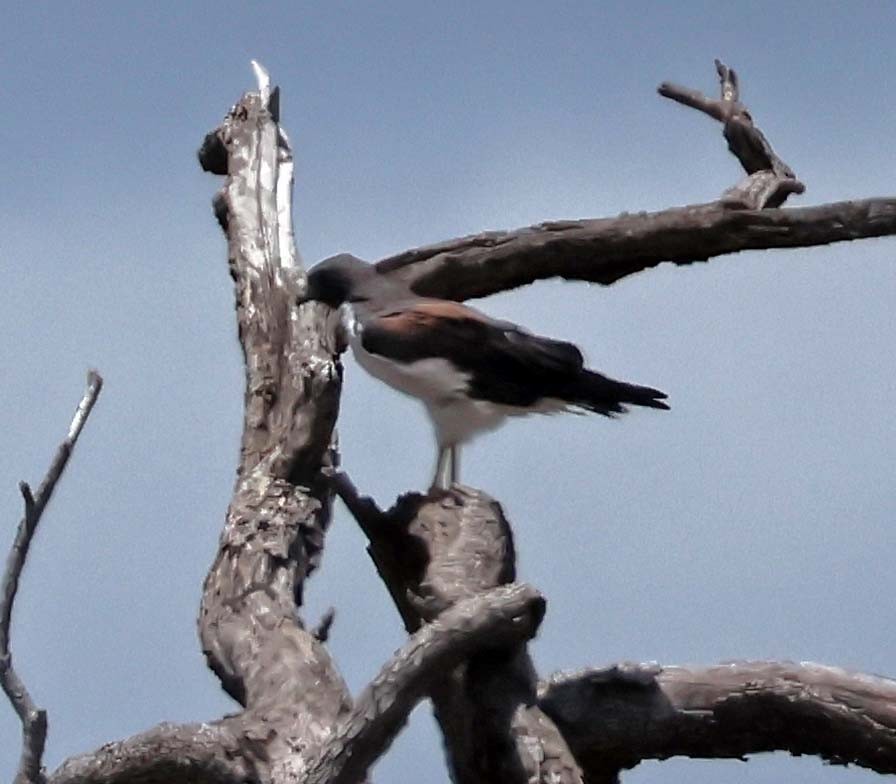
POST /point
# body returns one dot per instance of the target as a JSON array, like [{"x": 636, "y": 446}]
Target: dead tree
[{"x": 446, "y": 559}]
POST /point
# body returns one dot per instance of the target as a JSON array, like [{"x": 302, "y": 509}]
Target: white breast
[
  {"x": 436, "y": 382},
  {"x": 431, "y": 380},
  {"x": 442, "y": 388}
]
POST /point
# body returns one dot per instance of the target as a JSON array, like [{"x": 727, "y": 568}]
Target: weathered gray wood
[
  {"x": 166, "y": 754},
  {"x": 434, "y": 552},
  {"x": 448, "y": 559},
  {"x": 745, "y": 141},
  {"x": 34, "y": 719},
  {"x": 604, "y": 250},
  {"x": 299, "y": 723},
  {"x": 616, "y": 717},
  {"x": 504, "y": 616},
  {"x": 251, "y": 632},
  {"x": 249, "y": 624}
]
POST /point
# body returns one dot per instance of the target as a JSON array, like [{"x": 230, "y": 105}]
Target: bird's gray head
[{"x": 342, "y": 278}]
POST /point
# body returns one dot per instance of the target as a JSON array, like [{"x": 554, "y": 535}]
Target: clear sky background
[{"x": 754, "y": 520}]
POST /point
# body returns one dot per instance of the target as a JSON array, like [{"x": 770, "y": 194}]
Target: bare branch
[
  {"x": 321, "y": 632},
  {"x": 614, "y": 718},
  {"x": 436, "y": 553},
  {"x": 605, "y": 250},
  {"x": 365, "y": 511},
  {"x": 263, "y": 79},
  {"x": 728, "y": 81},
  {"x": 694, "y": 99},
  {"x": 250, "y": 628},
  {"x": 746, "y": 142},
  {"x": 165, "y": 754},
  {"x": 249, "y": 623},
  {"x": 34, "y": 720},
  {"x": 507, "y": 615}
]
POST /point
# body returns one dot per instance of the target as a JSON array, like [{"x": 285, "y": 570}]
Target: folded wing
[{"x": 506, "y": 365}]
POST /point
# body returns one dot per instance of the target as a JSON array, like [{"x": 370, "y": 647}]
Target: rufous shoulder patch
[{"x": 426, "y": 314}]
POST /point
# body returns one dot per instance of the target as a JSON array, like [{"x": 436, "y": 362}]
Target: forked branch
[
  {"x": 605, "y": 250},
  {"x": 448, "y": 561},
  {"x": 34, "y": 719},
  {"x": 770, "y": 181}
]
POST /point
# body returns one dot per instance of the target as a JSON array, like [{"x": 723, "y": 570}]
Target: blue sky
[{"x": 753, "y": 520}]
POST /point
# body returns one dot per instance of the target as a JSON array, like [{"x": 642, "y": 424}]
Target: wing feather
[{"x": 505, "y": 363}]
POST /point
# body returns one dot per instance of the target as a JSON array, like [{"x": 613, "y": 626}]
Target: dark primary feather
[
  {"x": 607, "y": 396},
  {"x": 507, "y": 365}
]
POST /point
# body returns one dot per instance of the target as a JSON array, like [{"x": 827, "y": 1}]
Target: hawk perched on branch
[{"x": 469, "y": 370}]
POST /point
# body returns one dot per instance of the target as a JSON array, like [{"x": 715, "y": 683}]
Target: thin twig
[
  {"x": 321, "y": 632},
  {"x": 363, "y": 508},
  {"x": 34, "y": 719}
]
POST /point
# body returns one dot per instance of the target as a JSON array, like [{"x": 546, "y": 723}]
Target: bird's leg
[
  {"x": 454, "y": 464},
  {"x": 440, "y": 481}
]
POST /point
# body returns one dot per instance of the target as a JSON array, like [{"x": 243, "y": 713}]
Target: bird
[{"x": 470, "y": 371}]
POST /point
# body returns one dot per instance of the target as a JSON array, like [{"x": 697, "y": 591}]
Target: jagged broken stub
[
  {"x": 745, "y": 141},
  {"x": 274, "y": 532}
]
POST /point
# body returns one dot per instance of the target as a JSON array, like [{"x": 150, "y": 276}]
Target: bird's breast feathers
[{"x": 432, "y": 379}]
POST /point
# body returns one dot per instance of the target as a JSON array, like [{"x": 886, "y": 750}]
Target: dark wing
[{"x": 506, "y": 364}]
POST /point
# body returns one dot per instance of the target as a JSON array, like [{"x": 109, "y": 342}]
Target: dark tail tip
[
  {"x": 607, "y": 396},
  {"x": 651, "y": 398}
]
